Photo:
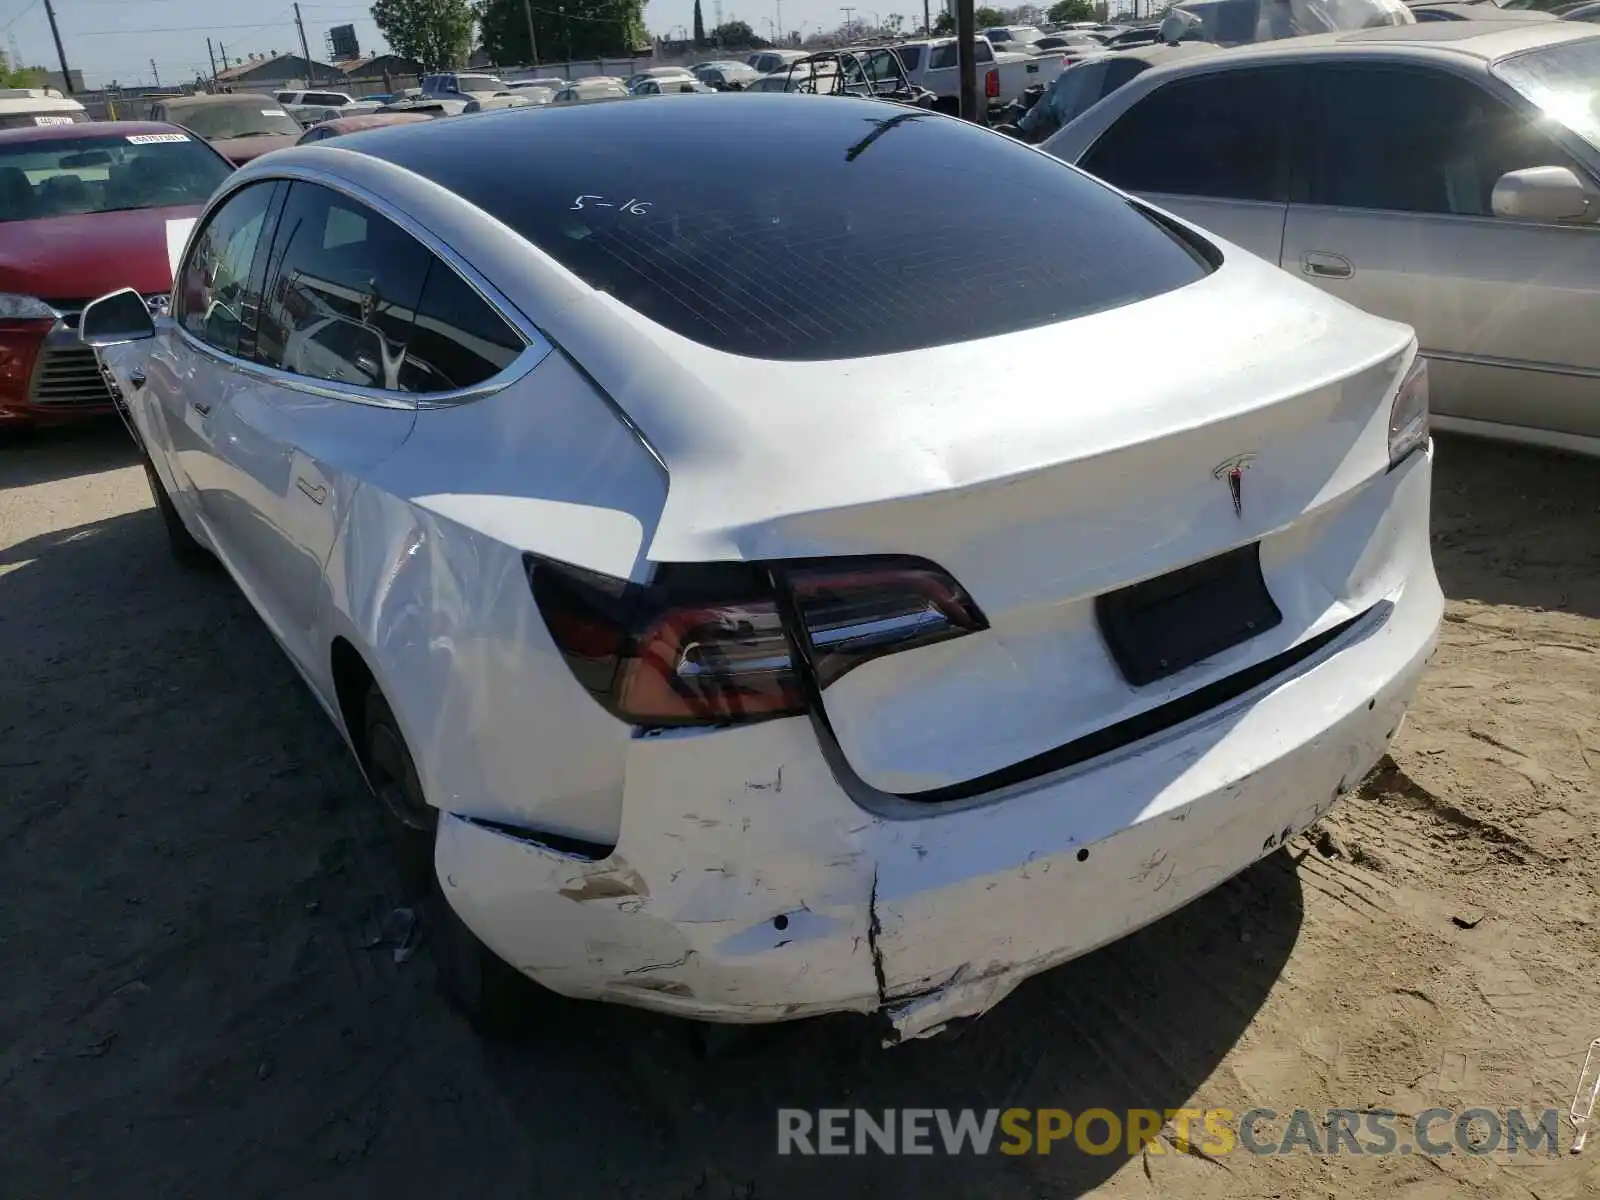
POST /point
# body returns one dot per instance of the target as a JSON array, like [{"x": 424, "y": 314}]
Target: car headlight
[
  {"x": 24, "y": 308},
  {"x": 1408, "y": 416}
]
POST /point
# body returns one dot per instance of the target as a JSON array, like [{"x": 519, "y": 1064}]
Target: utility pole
[
  {"x": 66, "y": 75},
  {"x": 848, "y": 24},
  {"x": 533, "y": 42},
  {"x": 311, "y": 71},
  {"x": 783, "y": 34},
  {"x": 927, "y": 20},
  {"x": 154, "y": 70},
  {"x": 967, "y": 60},
  {"x": 213, "y": 58}
]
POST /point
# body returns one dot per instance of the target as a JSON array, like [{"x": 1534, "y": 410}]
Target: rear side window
[
  {"x": 458, "y": 341},
  {"x": 850, "y": 228},
  {"x": 1120, "y": 71},
  {"x": 910, "y": 56},
  {"x": 341, "y": 291},
  {"x": 1219, "y": 135}
]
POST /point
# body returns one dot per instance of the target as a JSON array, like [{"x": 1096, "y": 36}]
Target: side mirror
[
  {"x": 1541, "y": 194},
  {"x": 112, "y": 320}
]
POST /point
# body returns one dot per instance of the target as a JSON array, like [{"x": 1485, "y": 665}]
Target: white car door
[
  {"x": 1397, "y": 219},
  {"x": 189, "y": 373},
  {"x": 330, "y": 394},
  {"x": 1210, "y": 146}
]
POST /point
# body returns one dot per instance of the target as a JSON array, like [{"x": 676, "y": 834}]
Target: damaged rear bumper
[{"x": 746, "y": 886}]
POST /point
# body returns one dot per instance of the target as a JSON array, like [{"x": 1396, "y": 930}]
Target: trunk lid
[{"x": 1037, "y": 486}]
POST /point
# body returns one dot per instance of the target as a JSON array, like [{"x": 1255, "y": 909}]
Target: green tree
[
  {"x": 699, "y": 25},
  {"x": 435, "y": 33},
  {"x": 576, "y": 29},
  {"x": 1066, "y": 11},
  {"x": 986, "y": 17},
  {"x": 736, "y": 33},
  {"x": 20, "y": 77},
  {"x": 944, "y": 25}
]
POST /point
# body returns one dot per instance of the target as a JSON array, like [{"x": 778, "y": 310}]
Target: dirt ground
[{"x": 192, "y": 1003}]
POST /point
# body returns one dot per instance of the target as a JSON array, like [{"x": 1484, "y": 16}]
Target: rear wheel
[
  {"x": 496, "y": 999},
  {"x": 179, "y": 540}
]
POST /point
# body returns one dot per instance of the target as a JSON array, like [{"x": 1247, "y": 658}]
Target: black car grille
[
  {"x": 67, "y": 374},
  {"x": 68, "y": 377}
]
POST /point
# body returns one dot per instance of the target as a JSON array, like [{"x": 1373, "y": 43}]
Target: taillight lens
[
  {"x": 854, "y": 614},
  {"x": 991, "y": 84},
  {"x": 722, "y": 643},
  {"x": 1408, "y": 415}
]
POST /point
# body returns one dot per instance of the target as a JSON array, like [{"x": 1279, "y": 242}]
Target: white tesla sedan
[{"x": 714, "y": 572}]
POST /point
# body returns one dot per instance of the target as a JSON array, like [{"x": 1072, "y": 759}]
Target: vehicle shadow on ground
[
  {"x": 64, "y": 452},
  {"x": 1517, "y": 525},
  {"x": 209, "y": 988}
]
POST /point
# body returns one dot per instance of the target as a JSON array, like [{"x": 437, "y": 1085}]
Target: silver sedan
[{"x": 1446, "y": 175}]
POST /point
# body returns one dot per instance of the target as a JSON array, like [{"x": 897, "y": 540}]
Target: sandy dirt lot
[{"x": 192, "y": 1002}]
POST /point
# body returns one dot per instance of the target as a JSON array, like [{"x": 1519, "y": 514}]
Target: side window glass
[
  {"x": 1417, "y": 141},
  {"x": 459, "y": 340},
  {"x": 983, "y": 52},
  {"x": 942, "y": 57},
  {"x": 341, "y": 291},
  {"x": 216, "y": 300},
  {"x": 1216, "y": 135},
  {"x": 1120, "y": 71}
]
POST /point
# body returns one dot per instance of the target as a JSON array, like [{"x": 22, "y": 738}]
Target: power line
[{"x": 7, "y": 27}]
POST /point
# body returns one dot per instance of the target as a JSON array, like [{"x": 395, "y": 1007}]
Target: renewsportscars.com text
[{"x": 1213, "y": 1131}]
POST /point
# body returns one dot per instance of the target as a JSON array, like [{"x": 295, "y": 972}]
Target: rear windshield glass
[
  {"x": 65, "y": 176},
  {"x": 253, "y": 116},
  {"x": 849, "y": 228}
]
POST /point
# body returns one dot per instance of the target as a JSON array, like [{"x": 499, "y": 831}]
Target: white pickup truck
[{"x": 1002, "y": 77}]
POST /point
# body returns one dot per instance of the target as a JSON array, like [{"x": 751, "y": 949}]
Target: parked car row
[{"x": 571, "y": 687}]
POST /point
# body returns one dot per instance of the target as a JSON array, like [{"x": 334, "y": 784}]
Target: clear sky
[{"x": 116, "y": 39}]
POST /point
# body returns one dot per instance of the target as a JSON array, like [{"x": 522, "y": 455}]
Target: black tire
[
  {"x": 179, "y": 540},
  {"x": 497, "y": 1000},
  {"x": 409, "y": 820}
]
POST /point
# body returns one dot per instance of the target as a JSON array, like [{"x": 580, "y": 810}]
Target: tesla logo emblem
[{"x": 1232, "y": 473}]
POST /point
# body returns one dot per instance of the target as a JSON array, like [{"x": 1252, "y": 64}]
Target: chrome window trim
[{"x": 535, "y": 344}]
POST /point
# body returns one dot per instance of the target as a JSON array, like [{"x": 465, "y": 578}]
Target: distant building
[
  {"x": 276, "y": 71},
  {"x": 55, "y": 79},
  {"x": 376, "y": 66}
]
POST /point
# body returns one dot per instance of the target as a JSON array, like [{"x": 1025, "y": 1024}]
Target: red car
[{"x": 85, "y": 209}]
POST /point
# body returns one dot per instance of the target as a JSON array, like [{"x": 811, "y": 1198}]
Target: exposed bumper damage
[{"x": 747, "y": 887}]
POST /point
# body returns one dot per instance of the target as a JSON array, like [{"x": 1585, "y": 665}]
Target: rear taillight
[
  {"x": 1408, "y": 415},
  {"x": 991, "y": 84},
  {"x": 720, "y": 643}
]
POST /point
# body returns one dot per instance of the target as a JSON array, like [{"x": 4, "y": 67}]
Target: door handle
[
  {"x": 316, "y": 492},
  {"x": 203, "y": 409},
  {"x": 137, "y": 377},
  {"x": 1320, "y": 264}
]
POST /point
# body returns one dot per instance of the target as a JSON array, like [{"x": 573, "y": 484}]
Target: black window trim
[
  {"x": 536, "y": 345},
  {"x": 1289, "y": 152},
  {"x": 1309, "y": 112}
]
